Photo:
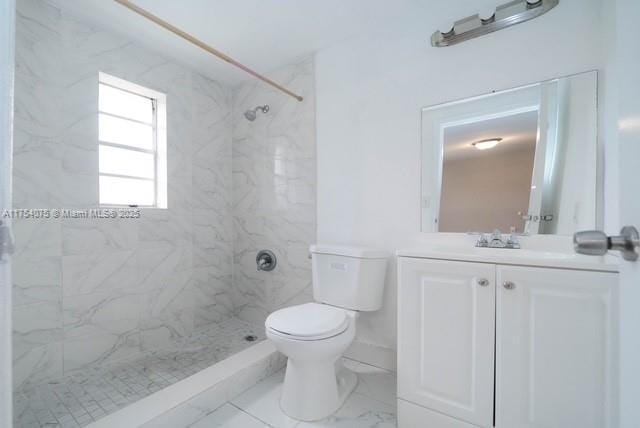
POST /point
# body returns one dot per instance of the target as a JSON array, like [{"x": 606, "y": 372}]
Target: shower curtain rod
[{"x": 188, "y": 37}]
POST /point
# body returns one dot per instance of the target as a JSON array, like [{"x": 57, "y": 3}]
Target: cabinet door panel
[
  {"x": 554, "y": 351},
  {"x": 446, "y": 337}
]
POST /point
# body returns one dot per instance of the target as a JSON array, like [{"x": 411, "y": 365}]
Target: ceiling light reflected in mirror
[{"x": 486, "y": 144}]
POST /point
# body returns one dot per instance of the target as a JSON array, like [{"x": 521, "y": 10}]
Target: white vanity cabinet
[
  {"x": 446, "y": 337},
  {"x": 554, "y": 347},
  {"x": 486, "y": 344}
]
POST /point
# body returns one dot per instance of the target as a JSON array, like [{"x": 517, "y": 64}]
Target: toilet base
[{"x": 315, "y": 391}]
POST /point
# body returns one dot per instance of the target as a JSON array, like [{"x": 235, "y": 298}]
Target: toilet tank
[{"x": 348, "y": 277}]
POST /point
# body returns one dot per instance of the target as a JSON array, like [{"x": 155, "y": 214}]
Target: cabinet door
[
  {"x": 446, "y": 314},
  {"x": 554, "y": 350}
]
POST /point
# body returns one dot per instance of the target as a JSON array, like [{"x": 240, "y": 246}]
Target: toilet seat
[{"x": 310, "y": 321}]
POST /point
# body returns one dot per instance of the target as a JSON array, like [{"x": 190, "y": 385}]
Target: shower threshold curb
[{"x": 221, "y": 382}]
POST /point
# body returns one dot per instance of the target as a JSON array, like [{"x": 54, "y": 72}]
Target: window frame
[{"x": 158, "y": 143}]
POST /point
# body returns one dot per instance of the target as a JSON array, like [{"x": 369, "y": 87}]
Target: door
[
  {"x": 628, "y": 88},
  {"x": 446, "y": 313},
  {"x": 547, "y": 125},
  {"x": 7, "y": 18},
  {"x": 555, "y": 353}
]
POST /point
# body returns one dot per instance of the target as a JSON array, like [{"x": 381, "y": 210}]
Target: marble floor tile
[
  {"x": 229, "y": 416},
  {"x": 374, "y": 382},
  {"x": 358, "y": 411},
  {"x": 90, "y": 393},
  {"x": 372, "y": 404},
  {"x": 263, "y": 401}
]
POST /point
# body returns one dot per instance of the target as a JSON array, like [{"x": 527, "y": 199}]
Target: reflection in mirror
[
  {"x": 521, "y": 160},
  {"x": 496, "y": 170}
]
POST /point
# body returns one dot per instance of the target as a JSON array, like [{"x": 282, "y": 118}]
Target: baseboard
[
  {"x": 372, "y": 354},
  {"x": 220, "y": 382}
]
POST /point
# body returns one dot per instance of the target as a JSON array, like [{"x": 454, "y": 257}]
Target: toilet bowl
[{"x": 313, "y": 337}]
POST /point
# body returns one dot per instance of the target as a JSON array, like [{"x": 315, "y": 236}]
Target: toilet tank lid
[{"x": 349, "y": 251}]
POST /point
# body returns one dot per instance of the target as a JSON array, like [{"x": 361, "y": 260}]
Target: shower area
[{"x": 107, "y": 311}]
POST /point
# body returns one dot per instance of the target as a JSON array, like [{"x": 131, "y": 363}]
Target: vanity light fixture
[
  {"x": 486, "y": 144},
  {"x": 485, "y": 22}
]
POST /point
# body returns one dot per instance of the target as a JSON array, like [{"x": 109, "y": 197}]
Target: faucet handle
[
  {"x": 496, "y": 240},
  {"x": 513, "y": 242},
  {"x": 482, "y": 241}
]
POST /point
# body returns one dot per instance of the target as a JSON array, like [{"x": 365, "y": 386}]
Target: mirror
[{"x": 520, "y": 160}]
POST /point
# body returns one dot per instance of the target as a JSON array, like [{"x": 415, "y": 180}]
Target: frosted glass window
[
  {"x": 131, "y": 144},
  {"x": 126, "y": 132},
  {"x": 126, "y": 191},
  {"x": 117, "y": 161},
  {"x": 123, "y": 103}
]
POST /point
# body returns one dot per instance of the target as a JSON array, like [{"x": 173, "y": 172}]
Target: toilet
[{"x": 313, "y": 336}]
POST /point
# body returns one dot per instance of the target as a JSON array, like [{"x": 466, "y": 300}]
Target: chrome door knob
[
  {"x": 509, "y": 285},
  {"x": 483, "y": 282},
  {"x": 597, "y": 243},
  {"x": 591, "y": 242}
]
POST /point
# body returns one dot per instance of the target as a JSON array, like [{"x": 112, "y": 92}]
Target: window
[{"x": 132, "y": 144}]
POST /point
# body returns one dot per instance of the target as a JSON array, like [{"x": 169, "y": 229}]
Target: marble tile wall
[
  {"x": 92, "y": 291},
  {"x": 274, "y": 192}
]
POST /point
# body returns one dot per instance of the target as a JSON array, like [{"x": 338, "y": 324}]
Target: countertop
[{"x": 520, "y": 257}]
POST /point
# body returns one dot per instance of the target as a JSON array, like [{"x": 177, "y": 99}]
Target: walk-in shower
[
  {"x": 117, "y": 298},
  {"x": 251, "y": 114}
]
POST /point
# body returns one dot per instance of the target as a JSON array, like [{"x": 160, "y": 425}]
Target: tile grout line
[
  {"x": 370, "y": 365},
  {"x": 372, "y": 398},
  {"x": 252, "y": 415}
]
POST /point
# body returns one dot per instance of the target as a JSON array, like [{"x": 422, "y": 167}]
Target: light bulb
[
  {"x": 445, "y": 27},
  {"x": 486, "y": 144},
  {"x": 486, "y": 13}
]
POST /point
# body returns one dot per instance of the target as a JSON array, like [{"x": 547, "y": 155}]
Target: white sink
[
  {"x": 502, "y": 252},
  {"x": 525, "y": 257}
]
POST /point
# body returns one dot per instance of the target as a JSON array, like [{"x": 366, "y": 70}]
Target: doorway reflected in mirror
[{"x": 521, "y": 160}]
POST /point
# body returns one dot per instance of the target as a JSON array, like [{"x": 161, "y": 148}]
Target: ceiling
[
  {"x": 518, "y": 132},
  {"x": 262, "y": 34}
]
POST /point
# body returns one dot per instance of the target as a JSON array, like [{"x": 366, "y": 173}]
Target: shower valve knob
[{"x": 266, "y": 260}]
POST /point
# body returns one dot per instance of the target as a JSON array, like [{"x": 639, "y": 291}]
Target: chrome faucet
[{"x": 497, "y": 241}]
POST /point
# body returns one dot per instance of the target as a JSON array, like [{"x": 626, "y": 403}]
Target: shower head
[{"x": 251, "y": 114}]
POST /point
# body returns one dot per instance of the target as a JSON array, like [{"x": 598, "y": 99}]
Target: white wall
[
  {"x": 369, "y": 94},
  {"x": 500, "y": 181}
]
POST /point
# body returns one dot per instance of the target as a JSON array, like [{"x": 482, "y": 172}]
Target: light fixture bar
[{"x": 506, "y": 15}]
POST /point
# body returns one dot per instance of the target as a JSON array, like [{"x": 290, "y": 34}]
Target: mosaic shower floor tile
[{"x": 93, "y": 392}]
